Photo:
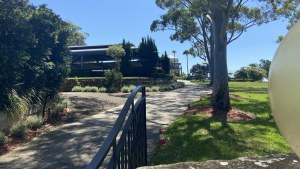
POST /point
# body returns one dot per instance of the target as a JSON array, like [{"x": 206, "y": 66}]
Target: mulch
[
  {"x": 31, "y": 133},
  {"x": 12, "y": 143},
  {"x": 232, "y": 115}
]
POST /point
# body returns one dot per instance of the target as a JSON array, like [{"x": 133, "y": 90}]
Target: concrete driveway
[{"x": 74, "y": 145}]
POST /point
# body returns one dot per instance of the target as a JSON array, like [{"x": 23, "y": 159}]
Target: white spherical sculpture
[{"x": 284, "y": 88}]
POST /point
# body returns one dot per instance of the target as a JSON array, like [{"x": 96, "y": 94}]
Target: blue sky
[{"x": 108, "y": 22}]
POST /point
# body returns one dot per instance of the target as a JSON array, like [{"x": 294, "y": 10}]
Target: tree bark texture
[
  {"x": 220, "y": 96},
  {"x": 211, "y": 71}
]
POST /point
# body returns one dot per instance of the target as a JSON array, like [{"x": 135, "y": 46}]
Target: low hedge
[{"x": 100, "y": 82}]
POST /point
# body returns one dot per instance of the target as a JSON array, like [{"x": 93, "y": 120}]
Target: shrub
[
  {"x": 163, "y": 88},
  {"x": 77, "y": 81},
  {"x": 90, "y": 89},
  {"x": 241, "y": 74},
  {"x": 63, "y": 104},
  {"x": 18, "y": 104},
  {"x": 71, "y": 117},
  {"x": 112, "y": 90},
  {"x": 154, "y": 88},
  {"x": 256, "y": 74},
  {"x": 2, "y": 139},
  {"x": 113, "y": 80},
  {"x": 102, "y": 89},
  {"x": 173, "y": 86},
  {"x": 162, "y": 76},
  {"x": 181, "y": 84},
  {"x": 94, "y": 89},
  {"x": 18, "y": 131},
  {"x": 125, "y": 89},
  {"x": 167, "y": 88},
  {"x": 148, "y": 89},
  {"x": 55, "y": 113},
  {"x": 131, "y": 88},
  {"x": 86, "y": 88},
  {"x": 34, "y": 121},
  {"x": 77, "y": 89}
]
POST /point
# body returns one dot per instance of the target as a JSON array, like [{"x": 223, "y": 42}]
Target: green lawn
[{"x": 200, "y": 137}]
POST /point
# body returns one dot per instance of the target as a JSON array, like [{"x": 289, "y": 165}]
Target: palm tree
[
  {"x": 187, "y": 52},
  {"x": 174, "y": 51}
]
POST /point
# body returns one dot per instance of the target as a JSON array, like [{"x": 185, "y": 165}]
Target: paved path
[{"x": 73, "y": 145}]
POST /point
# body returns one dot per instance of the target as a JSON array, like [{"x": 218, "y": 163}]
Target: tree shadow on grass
[
  {"x": 199, "y": 138},
  {"x": 252, "y": 90}
]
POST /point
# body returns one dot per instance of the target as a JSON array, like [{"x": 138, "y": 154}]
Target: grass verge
[{"x": 201, "y": 137}]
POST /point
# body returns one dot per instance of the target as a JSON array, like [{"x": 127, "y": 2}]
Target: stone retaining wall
[{"x": 275, "y": 161}]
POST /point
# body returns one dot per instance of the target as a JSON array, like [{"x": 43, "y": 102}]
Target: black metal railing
[{"x": 128, "y": 147}]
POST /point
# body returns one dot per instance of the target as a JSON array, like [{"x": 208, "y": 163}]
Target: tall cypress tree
[
  {"x": 165, "y": 63},
  {"x": 148, "y": 55},
  {"x": 125, "y": 61}
]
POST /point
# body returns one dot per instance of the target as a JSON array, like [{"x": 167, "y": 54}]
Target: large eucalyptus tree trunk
[
  {"x": 220, "y": 95},
  {"x": 211, "y": 71}
]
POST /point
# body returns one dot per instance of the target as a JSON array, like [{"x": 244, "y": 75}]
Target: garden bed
[{"x": 100, "y": 81}]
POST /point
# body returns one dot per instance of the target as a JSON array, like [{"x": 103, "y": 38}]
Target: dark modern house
[
  {"x": 175, "y": 66},
  {"x": 91, "y": 60}
]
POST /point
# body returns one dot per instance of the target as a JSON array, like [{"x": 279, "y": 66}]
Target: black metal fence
[{"x": 128, "y": 146}]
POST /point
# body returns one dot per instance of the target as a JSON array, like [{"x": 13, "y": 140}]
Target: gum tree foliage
[
  {"x": 251, "y": 72},
  {"x": 241, "y": 74},
  {"x": 116, "y": 52},
  {"x": 295, "y": 16},
  {"x": 77, "y": 37},
  {"x": 113, "y": 78},
  {"x": 49, "y": 57},
  {"x": 199, "y": 71},
  {"x": 210, "y": 25},
  {"x": 148, "y": 55},
  {"x": 265, "y": 65},
  {"x": 34, "y": 51},
  {"x": 14, "y": 37},
  {"x": 256, "y": 73}
]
